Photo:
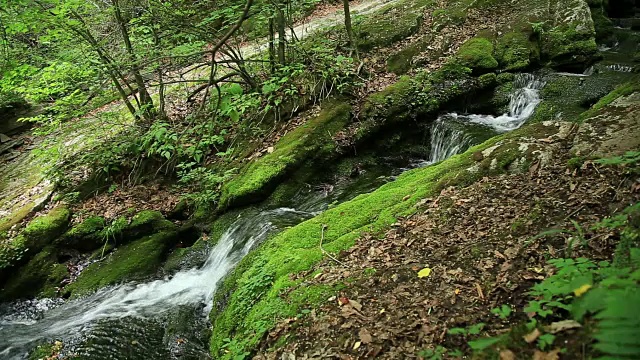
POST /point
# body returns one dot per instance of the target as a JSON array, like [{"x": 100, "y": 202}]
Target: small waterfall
[
  {"x": 447, "y": 139},
  {"x": 450, "y": 135},
  {"x": 524, "y": 99},
  {"x": 620, "y": 68},
  {"x": 192, "y": 286}
]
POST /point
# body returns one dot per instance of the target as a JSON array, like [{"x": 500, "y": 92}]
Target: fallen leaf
[
  {"x": 551, "y": 355},
  {"x": 532, "y": 336},
  {"x": 270, "y": 149},
  {"x": 356, "y": 346},
  {"x": 356, "y": 305},
  {"x": 582, "y": 289},
  {"x": 343, "y": 300},
  {"x": 457, "y": 291},
  {"x": 559, "y": 326},
  {"x": 364, "y": 335},
  {"x": 507, "y": 355},
  {"x": 317, "y": 275},
  {"x": 424, "y": 272}
]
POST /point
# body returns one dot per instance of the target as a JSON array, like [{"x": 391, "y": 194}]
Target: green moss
[
  {"x": 257, "y": 293},
  {"x": 133, "y": 261},
  {"x": 44, "y": 229},
  {"x": 392, "y": 24},
  {"x": 84, "y": 236},
  {"x": 602, "y": 24},
  {"x": 401, "y": 61},
  {"x": 312, "y": 140},
  {"x": 625, "y": 89},
  {"x": 514, "y": 51},
  {"x": 449, "y": 16},
  {"x": 40, "y": 276},
  {"x": 16, "y": 216},
  {"x": 477, "y": 54},
  {"x": 566, "y": 46}
]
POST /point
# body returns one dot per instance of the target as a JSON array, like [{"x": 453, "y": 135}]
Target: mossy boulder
[
  {"x": 85, "y": 236},
  {"x": 144, "y": 223},
  {"x": 603, "y": 26},
  {"x": 42, "y": 230},
  {"x": 569, "y": 43},
  {"x": 514, "y": 51},
  {"x": 136, "y": 260},
  {"x": 452, "y": 15},
  {"x": 39, "y": 277},
  {"x": 311, "y": 141},
  {"x": 402, "y": 61},
  {"x": 477, "y": 54},
  {"x": 392, "y": 24}
]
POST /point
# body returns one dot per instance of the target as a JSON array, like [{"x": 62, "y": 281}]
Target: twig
[{"x": 324, "y": 226}]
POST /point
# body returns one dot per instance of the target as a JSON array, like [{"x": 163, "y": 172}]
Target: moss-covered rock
[
  {"x": 452, "y": 15},
  {"x": 311, "y": 141},
  {"x": 85, "y": 236},
  {"x": 401, "y": 61},
  {"x": 42, "y": 230},
  {"x": 602, "y": 24},
  {"x": 514, "y": 51},
  {"x": 261, "y": 290},
  {"x": 477, "y": 54},
  {"x": 40, "y": 276},
  {"x": 392, "y": 24},
  {"x": 570, "y": 41},
  {"x": 133, "y": 261}
]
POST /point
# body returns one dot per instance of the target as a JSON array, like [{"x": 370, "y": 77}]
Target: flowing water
[
  {"x": 453, "y": 133},
  {"x": 130, "y": 321},
  {"x": 18, "y": 332}
]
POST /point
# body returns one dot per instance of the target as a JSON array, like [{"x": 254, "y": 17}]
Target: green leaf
[{"x": 483, "y": 343}]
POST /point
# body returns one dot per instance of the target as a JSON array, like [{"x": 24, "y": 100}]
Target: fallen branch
[{"x": 325, "y": 252}]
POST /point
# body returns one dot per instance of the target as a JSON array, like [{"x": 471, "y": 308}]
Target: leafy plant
[{"x": 503, "y": 312}]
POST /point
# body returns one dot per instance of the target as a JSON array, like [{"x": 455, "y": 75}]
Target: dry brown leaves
[{"x": 473, "y": 240}]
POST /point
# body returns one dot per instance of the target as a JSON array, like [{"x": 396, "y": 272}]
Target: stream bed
[{"x": 166, "y": 318}]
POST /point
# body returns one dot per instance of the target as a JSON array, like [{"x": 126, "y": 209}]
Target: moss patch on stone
[
  {"x": 312, "y": 140},
  {"x": 84, "y": 236},
  {"x": 477, "y": 54},
  {"x": 133, "y": 261},
  {"x": 260, "y": 291},
  {"x": 392, "y": 24},
  {"x": 40, "y": 276},
  {"x": 401, "y": 61},
  {"x": 623, "y": 90},
  {"x": 42, "y": 230},
  {"x": 570, "y": 45},
  {"x": 514, "y": 51}
]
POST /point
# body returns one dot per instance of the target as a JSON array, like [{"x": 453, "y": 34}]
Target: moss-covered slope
[
  {"x": 257, "y": 292},
  {"x": 311, "y": 141}
]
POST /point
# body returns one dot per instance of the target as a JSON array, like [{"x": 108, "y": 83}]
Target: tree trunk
[
  {"x": 146, "y": 102},
  {"x": 282, "y": 36},
  {"x": 347, "y": 24},
  {"x": 272, "y": 48}
]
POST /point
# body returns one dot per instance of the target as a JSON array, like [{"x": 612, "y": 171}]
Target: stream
[{"x": 167, "y": 318}]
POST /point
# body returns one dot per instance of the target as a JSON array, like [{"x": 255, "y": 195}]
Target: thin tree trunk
[
  {"x": 272, "y": 48},
  {"x": 282, "y": 36},
  {"x": 347, "y": 24},
  {"x": 146, "y": 102}
]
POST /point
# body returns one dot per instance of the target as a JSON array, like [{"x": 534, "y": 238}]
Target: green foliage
[
  {"x": 630, "y": 160},
  {"x": 503, "y": 312},
  {"x": 12, "y": 251},
  {"x": 204, "y": 184}
]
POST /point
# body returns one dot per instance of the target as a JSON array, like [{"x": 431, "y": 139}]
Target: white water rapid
[
  {"x": 191, "y": 286},
  {"x": 449, "y": 136}
]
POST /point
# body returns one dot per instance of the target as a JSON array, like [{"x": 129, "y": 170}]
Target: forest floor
[{"x": 480, "y": 247}]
